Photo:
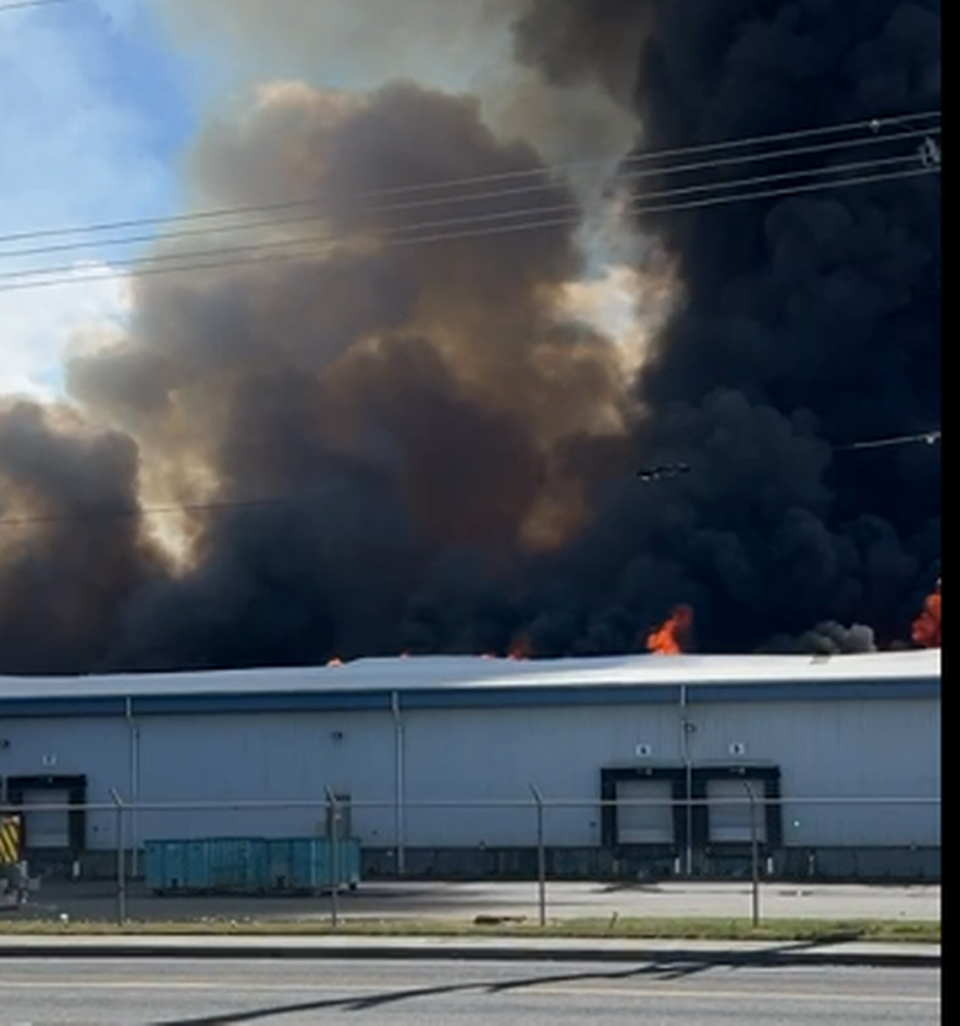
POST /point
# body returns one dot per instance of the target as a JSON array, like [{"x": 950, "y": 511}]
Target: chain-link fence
[{"x": 306, "y": 857}]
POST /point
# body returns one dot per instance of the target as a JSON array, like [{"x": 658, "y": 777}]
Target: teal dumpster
[
  {"x": 251, "y": 866},
  {"x": 312, "y": 864}
]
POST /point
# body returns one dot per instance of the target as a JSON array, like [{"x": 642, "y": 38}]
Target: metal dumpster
[
  {"x": 311, "y": 864},
  {"x": 245, "y": 866},
  {"x": 222, "y": 865}
]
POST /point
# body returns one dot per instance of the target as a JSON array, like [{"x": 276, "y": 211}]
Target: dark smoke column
[{"x": 804, "y": 319}]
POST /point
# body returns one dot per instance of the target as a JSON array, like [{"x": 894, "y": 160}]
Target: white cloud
[
  {"x": 41, "y": 327},
  {"x": 77, "y": 146}
]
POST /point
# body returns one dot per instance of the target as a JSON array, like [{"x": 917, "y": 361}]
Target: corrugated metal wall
[
  {"x": 841, "y": 750},
  {"x": 263, "y": 757},
  {"x": 832, "y": 748},
  {"x": 495, "y": 755},
  {"x": 96, "y": 748}
]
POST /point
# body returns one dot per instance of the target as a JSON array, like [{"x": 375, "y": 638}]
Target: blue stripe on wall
[{"x": 465, "y": 698}]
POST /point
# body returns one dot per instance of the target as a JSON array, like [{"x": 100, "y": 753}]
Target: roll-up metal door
[{"x": 650, "y": 821}]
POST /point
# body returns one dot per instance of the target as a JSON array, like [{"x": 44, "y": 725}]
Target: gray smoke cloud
[
  {"x": 448, "y": 464},
  {"x": 827, "y": 639},
  {"x": 418, "y": 400},
  {"x": 459, "y": 46}
]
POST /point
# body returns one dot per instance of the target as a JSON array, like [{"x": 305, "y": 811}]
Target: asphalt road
[
  {"x": 211, "y": 993},
  {"x": 91, "y": 901}
]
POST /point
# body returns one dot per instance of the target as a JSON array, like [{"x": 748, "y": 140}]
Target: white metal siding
[
  {"x": 267, "y": 757},
  {"x": 879, "y": 749},
  {"x": 96, "y": 748},
  {"x": 497, "y": 754},
  {"x": 838, "y": 750}
]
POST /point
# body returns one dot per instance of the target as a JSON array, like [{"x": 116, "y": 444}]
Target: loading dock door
[
  {"x": 729, "y": 811},
  {"x": 650, "y": 822},
  {"x": 46, "y": 829}
]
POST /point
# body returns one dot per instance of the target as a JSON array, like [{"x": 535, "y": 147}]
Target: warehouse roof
[{"x": 444, "y": 682}]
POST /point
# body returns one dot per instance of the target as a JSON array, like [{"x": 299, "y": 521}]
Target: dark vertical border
[{"x": 76, "y": 788}]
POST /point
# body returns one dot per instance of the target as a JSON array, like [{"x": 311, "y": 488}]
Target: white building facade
[{"x": 645, "y": 765}]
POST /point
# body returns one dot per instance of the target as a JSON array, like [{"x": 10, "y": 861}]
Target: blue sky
[
  {"x": 99, "y": 100},
  {"x": 95, "y": 109}
]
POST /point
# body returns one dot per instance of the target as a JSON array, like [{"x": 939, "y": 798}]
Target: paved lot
[
  {"x": 210, "y": 993},
  {"x": 97, "y": 902}
]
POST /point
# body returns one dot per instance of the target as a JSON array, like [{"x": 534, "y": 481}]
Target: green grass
[{"x": 783, "y": 930}]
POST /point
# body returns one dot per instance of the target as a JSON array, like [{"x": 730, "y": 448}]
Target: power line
[
  {"x": 22, "y": 5},
  {"x": 875, "y": 126},
  {"x": 240, "y": 505},
  {"x": 397, "y": 239},
  {"x": 924, "y": 438},
  {"x": 500, "y": 216},
  {"x": 157, "y": 511},
  {"x": 300, "y": 219}
]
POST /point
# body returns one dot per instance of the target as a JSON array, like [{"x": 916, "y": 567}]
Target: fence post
[
  {"x": 121, "y": 861},
  {"x": 754, "y": 853},
  {"x": 334, "y": 816},
  {"x": 541, "y": 857}
]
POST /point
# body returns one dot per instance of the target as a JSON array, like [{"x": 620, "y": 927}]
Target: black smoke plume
[
  {"x": 804, "y": 319},
  {"x": 402, "y": 448}
]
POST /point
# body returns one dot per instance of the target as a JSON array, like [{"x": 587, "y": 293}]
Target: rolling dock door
[
  {"x": 647, "y": 810},
  {"x": 53, "y": 821}
]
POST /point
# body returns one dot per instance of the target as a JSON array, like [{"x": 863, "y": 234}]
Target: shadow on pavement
[{"x": 664, "y": 971}]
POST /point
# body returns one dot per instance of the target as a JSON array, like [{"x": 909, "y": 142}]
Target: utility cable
[
  {"x": 133, "y": 267},
  {"x": 630, "y": 176},
  {"x": 543, "y": 173}
]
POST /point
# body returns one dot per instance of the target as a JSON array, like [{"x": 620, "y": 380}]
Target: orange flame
[
  {"x": 927, "y": 628},
  {"x": 668, "y": 640},
  {"x": 521, "y": 649}
]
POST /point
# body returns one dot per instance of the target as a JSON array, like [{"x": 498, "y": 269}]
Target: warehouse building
[{"x": 645, "y": 765}]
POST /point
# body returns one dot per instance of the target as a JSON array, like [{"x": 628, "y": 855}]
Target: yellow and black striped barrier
[{"x": 11, "y": 838}]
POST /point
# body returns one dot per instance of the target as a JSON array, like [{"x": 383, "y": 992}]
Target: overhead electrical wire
[
  {"x": 923, "y": 438},
  {"x": 629, "y": 176},
  {"x": 129, "y": 513},
  {"x": 544, "y": 173},
  {"x": 147, "y": 266},
  {"x": 504, "y": 215},
  {"x": 22, "y": 5},
  {"x": 240, "y": 505}
]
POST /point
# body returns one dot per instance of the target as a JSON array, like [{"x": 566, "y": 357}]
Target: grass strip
[{"x": 782, "y": 930}]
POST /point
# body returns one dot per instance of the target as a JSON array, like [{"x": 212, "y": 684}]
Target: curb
[{"x": 437, "y": 952}]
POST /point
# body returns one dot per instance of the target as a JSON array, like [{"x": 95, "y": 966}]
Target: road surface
[{"x": 212, "y": 993}]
